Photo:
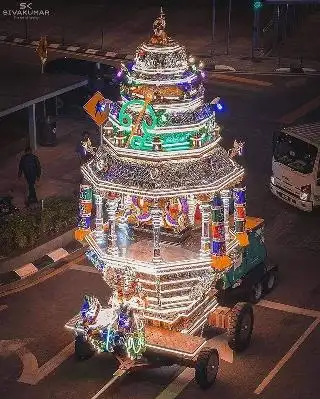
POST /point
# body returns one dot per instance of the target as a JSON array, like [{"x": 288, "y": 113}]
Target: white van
[{"x": 296, "y": 166}]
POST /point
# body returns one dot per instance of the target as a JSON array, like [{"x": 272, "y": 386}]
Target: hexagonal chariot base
[{"x": 178, "y": 286}]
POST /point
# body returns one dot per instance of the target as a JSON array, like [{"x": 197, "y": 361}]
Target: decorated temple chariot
[{"x": 160, "y": 177}]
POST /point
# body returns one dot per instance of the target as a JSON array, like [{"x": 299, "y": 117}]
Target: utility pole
[
  {"x": 229, "y": 26},
  {"x": 102, "y": 38},
  {"x": 276, "y": 25},
  {"x": 25, "y": 29},
  {"x": 213, "y": 22},
  {"x": 257, "y": 5}
]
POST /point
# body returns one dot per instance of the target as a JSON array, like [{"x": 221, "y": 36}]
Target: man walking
[{"x": 30, "y": 167}]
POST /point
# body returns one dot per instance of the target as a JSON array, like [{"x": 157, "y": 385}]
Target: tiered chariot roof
[
  {"x": 162, "y": 101},
  {"x": 157, "y": 178}
]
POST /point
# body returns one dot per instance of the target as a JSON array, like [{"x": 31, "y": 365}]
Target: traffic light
[{"x": 257, "y": 5}]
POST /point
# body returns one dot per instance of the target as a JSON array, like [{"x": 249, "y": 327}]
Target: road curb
[
  {"x": 72, "y": 49},
  {"x": 109, "y": 54},
  {"x": 52, "y": 260},
  {"x": 115, "y": 55}
]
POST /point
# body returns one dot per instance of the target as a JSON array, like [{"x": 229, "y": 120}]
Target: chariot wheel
[
  {"x": 82, "y": 349},
  {"x": 256, "y": 292},
  {"x": 240, "y": 326},
  {"x": 270, "y": 281},
  {"x": 206, "y": 367}
]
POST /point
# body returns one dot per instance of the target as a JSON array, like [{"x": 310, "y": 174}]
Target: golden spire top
[
  {"x": 162, "y": 14},
  {"x": 159, "y": 26}
]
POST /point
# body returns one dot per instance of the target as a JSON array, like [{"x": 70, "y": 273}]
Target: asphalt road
[
  {"x": 103, "y": 25},
  {"x": 282, "y": 361}
]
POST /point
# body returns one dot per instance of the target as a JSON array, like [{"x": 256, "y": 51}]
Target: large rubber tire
[
  {"x": 270, "y": 281},
  {"x": 82, "y": 349},
  {"x": 240, "y": 326},
  {"x": 256, "y": 292},
  {"x": 206, "y": 367}
]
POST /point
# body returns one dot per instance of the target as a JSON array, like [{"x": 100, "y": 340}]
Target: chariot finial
[{"x": 159, "y": 26}]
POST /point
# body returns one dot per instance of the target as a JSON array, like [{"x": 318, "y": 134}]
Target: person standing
[
  {"x": 84, "y": 149},
  {"x": 30, "y": 167}
]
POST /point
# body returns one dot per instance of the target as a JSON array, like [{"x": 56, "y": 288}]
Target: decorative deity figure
[
  {"x": 159, "y": 34},
  {"x": 124, "y": 235}
]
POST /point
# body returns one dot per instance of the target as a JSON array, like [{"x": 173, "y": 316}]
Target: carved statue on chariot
[{"x": 159, "y": 34}]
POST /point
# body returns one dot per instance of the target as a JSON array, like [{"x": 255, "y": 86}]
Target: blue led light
[{"x": 219, "y": 107}]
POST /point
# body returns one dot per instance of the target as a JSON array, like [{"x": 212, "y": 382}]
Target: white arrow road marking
[
  {"x": 32, "y": 373},
  {"x": 8, "y": 346}
]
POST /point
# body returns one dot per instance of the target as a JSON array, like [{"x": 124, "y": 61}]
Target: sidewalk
[
  {"x": 60, "y": 177},
  {"x": 60, "y": 165}
]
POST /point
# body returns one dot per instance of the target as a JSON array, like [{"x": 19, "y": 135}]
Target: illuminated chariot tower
[{"x": 160, "y": 165}]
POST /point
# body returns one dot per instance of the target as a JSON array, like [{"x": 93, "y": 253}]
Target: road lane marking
[
  {"x": 32, "y": 373},
  {"x": 301, "y": 111},
  {"x": 177, "y": 385},
  {"x": 221, "y": 67},
  {"x": 83, "y": 268},
  {"x": 289, "y": 308},
  {"x": 73, "y": 48},
  {"x": 110, "y": 54},
  {"x": 187, "y": 375},
  {"x": 91, "y": 51},
  {"x": 286, "y": 357},
  {"x": 8, "y": 346},
  {"x": 239, "y": 79},
  {"x": 107, "y": 385},
  {"x": 3, "y": 307},
  {"x": 54, "y": 45}
]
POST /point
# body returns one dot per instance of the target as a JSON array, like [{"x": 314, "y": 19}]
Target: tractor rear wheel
[
  {"x": 240, "y": 326},
  {"x": 270, "y": 281},
  {"x": 256, "y": 292}
]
